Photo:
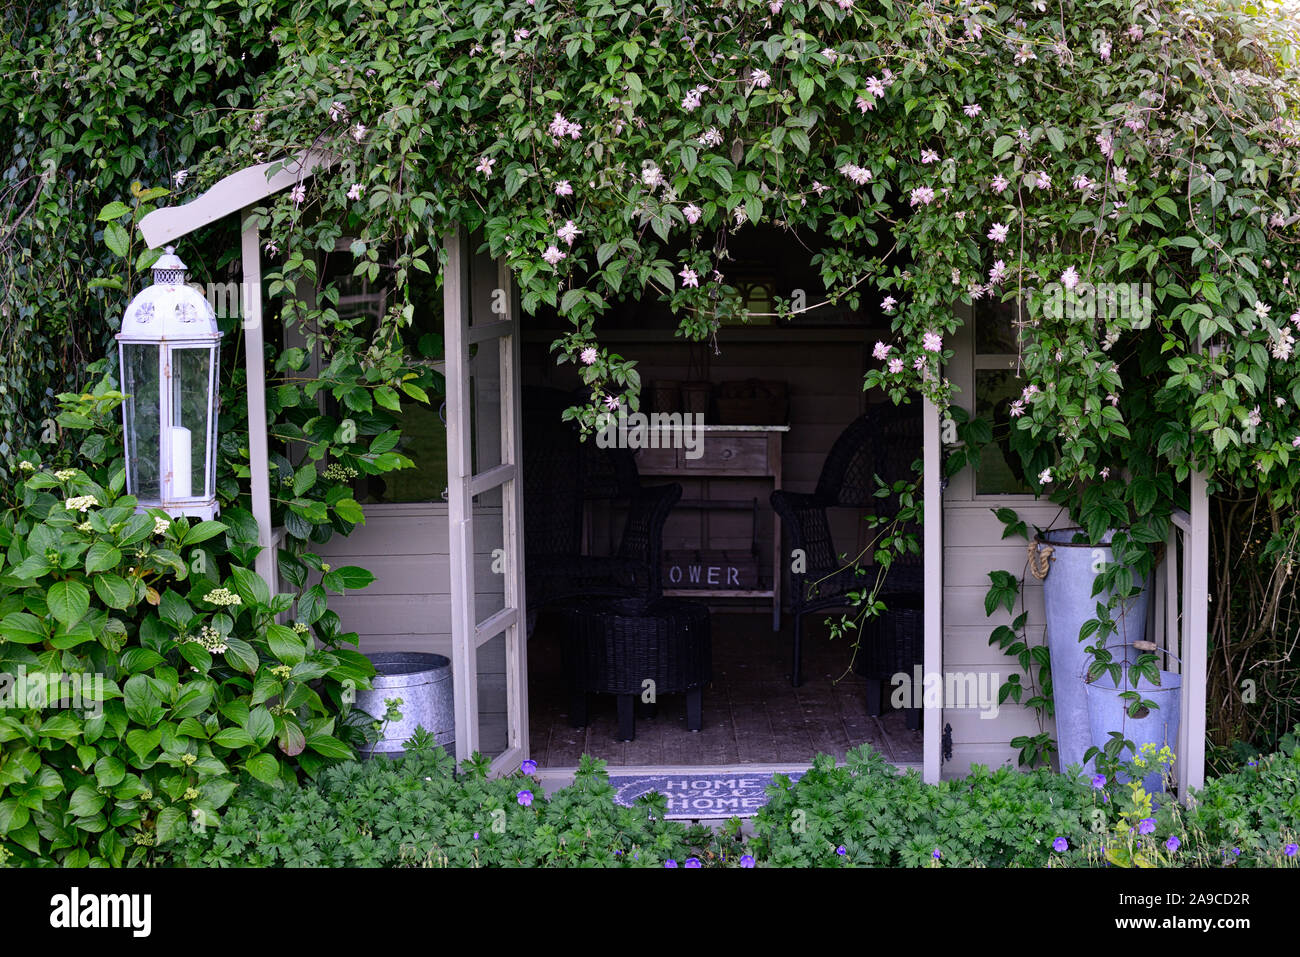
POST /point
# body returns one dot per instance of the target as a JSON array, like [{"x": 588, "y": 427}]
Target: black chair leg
[
  {"x": 647, "y": 709},
  {"x": 796, "y": 669},
  {"x": 875, "y": 694},
  {"x": 695, "y": 709},
  {"x": 913, "y": 719},
  {"x": 626, "y": 717},
  {"x": 578, "y": 709}
]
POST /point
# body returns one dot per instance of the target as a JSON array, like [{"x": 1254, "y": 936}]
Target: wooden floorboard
[{"x": 751, "y": 713}]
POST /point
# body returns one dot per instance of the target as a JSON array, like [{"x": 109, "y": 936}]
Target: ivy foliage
[{"x": 1110, "y": 142}]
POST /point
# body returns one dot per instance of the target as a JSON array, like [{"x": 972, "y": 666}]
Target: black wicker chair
[
  {"x": 560, "y": 473},
  {"x": 884, "y": 442},
  {"x": 613, "y": 646}
]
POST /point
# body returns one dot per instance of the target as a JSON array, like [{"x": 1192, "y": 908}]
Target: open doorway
[{"x": 777, "y": 397}]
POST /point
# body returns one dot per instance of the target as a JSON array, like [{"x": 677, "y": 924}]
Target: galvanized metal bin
[{"x": 423, "y": 682}]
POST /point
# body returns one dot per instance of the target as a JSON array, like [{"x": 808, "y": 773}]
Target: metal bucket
[
  {"x": 423, "y": 682},
  {"x": 1068, "y": 602},
  {"x": 1108, "y": 712}
]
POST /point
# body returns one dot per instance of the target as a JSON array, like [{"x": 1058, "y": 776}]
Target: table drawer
[
  {"x": 656, "y": 461},
  {"x": 738, "y": 453}
]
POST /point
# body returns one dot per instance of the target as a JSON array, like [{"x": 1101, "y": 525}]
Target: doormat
[{"x": 702, "y": 794}]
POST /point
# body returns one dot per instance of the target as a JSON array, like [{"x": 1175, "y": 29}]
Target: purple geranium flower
[
  {"x": 1290, "y": 850},
  {"x": 670, "y": 863},
  {"x": 936, "y": 855},
  {"x": 529, "y": 767},
  {"x": 693, "y": 862},
  {"x": 1147, "y": 825},
  {"x": 1061, "y": 845},
  {"x": 525, "y": 798},
  {"x": 841, "y": 850},
  {"x": 747, "y": 861},
  {"x": 1099, "y": 780},
  {"x": 476, "y": 835},
  {"x": 1173, "y": 843}
]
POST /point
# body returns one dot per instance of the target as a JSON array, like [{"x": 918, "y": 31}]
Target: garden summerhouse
[{"x": 448, "y": 544}]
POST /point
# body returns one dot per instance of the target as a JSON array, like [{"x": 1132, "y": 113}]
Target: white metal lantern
[{"x": 168, "y": 351}]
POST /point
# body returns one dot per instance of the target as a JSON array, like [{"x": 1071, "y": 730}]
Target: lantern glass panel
[
  {"x": 191, "y": 406},
  {"x": 140, "y": 381}
]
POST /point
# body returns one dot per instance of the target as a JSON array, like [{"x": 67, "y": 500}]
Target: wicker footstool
[
  {"x": 891, "y": 644},
  {"x": 613, "y": 646}
]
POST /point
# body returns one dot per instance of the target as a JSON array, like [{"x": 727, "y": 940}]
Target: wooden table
[{"x": 729, "y": 451}]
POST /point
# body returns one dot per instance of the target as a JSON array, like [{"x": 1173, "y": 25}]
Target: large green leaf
[
  {"x": 311, "y": 605},
  {"x": 241, "y": 655},
  {"x": 285, "y": 644},
  {"x": 102, "y": 556},
  {"x": 22, "y": 628},
  {"x": 349, "y": 576},
  {"x": 113, "y": 591},
  {"x": 143, "y": 705},
  {"x": 264, "y": 767},
  {"x": 68, "y": 601},
  {"x": 250, "y": 586}
]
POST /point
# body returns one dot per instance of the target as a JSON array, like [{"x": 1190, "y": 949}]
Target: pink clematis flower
[
  {"x": 692, "y": 213},
  {"x": 553, "y": 255},
  {"x": 999, "y": 232},
  {"x": 562, "y": 188},
  {"x": 568, "y": 232},
  {"x": 689, "y": 277},
  {"x": 922, "y": 196},
  {"x": 932, "y": 342}
]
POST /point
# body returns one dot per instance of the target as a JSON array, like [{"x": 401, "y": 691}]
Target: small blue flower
[
  {"x": 1061, "y": 845},
  {"x": 525, "y": 798},
  {"x": 618, "y": 853},
  {"x": 1099, "y": 780},
  {"x": 1173, "y": 843},
  {"x": 670, "y": 863},
  {"x": 841, "y": 850},
  {"x": 693, "y": 862},
  {"x": 1147, "y": 825},
  {"x": 529, "y": 767},
  {"x": 476, "y": 835},
  {"x": 1290, "y": 850},
  {"x": 936, "y": 855},
  {"x": 747, "y": 861},
  {"x": 1236, "y": 852}
]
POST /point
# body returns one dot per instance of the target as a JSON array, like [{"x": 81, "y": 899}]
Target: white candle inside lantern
[{"x": 182, "y": 478}]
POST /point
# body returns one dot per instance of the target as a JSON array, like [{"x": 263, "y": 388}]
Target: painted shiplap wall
[
  {"x": 973, "y": 546},
  {"x": 407, "y": 607}
]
